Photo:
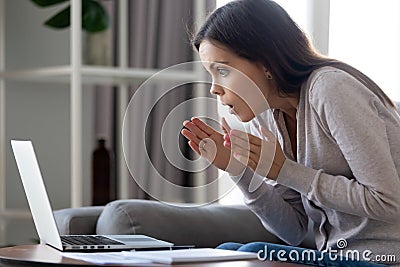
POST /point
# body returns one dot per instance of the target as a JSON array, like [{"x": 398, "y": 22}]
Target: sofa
[{"x": 203, "y": 226}]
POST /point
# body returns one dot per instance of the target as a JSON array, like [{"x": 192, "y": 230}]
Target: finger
[
  {"x": 244, "y": 152},
  {"x": 245, "y": 161},
  {"x": 267, "y": 134},
  {"x": 227, "y": 141},
  {"x": 208, "y": 149},
  {"x": 225, "y": 126},
  {"x": 194, "y": 147},
  {"x": 240, "y": 158},
  {"x": 195, "y": 130},
  {"x": 203, "y": 126},
  {"x": 190, "y": 136},
  {"x": 245, "y": 144},
  {"x": 245, "y": 140},
  {"x": 245, "y": 136},
  {"x": 202, "y": 145}
]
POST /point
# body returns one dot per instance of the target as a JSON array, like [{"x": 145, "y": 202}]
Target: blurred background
[{"x": 66, "y": 106}]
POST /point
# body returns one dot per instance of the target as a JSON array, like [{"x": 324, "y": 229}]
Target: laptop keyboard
[{"x": 88, "y": 240}]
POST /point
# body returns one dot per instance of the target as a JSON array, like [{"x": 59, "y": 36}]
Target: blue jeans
[{"x": 274, "y": 252}]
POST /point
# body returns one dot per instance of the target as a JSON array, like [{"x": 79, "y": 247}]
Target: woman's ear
[{"x": 267, "y": 73}]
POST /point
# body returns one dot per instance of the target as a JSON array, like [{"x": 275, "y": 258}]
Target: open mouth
[{"x": 231, "y": 109}]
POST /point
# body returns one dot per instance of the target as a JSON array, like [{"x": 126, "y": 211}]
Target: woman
[{"x": 324, "y": 142}]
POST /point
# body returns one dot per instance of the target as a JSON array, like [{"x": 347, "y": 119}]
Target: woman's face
[{"x": 240, "y": 84}]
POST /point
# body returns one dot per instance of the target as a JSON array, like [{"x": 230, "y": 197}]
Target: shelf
[
  {"x": 74, "y": 75},
  {"x": 15, "y": 214},
  {"x": 96, "y": 75}
]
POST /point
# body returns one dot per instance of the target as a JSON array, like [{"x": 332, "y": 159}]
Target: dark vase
[{"x": 101, "y": 174}]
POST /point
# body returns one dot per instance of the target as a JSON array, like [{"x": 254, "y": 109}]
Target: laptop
[{"x": 45, "y": 223}]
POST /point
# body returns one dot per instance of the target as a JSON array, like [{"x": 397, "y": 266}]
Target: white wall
[
  {"x": 40, "y": 112},
  {"x": 369, "y": 41}
]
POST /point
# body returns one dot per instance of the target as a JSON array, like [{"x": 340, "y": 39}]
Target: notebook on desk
[{"x": 43, "y": 217}]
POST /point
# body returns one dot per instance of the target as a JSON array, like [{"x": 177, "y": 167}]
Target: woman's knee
[
  {"x": 253, "y": 247},
  {"x": 230, "y": 246}
]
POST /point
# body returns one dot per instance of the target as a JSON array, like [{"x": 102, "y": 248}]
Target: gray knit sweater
[{"x": 346, "y": 177}]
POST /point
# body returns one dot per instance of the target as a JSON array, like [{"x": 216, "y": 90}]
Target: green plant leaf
[
  {"x": 46, "y": 3},
  {"x": 94, "y": 16},
  {"x": 60, "y": 20}
]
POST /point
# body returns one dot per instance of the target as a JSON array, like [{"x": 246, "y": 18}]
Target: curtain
[{"x": 159, "y": 33}]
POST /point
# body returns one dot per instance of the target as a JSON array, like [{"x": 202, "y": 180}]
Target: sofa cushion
[
  {"x": 206, "y": 226},
  {"x": 73, "y": 221}
]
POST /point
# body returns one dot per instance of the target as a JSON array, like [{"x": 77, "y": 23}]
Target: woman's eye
[{"x": 222, "y": 72}]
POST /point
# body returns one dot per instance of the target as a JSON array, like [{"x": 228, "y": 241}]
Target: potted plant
[
  {"x": 95, "y": 22},
  {"x": 94, "y": 16}
]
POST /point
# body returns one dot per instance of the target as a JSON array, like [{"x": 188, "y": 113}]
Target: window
[
  {"x": 366, "y": 34},
  {"x": 363, "y": 33}
]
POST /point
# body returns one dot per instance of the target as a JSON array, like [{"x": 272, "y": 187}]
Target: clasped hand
[{"x": 234, "y": 150}]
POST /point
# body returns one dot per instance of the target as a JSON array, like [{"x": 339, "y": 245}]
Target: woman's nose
[{"x": 216, "y": 89}]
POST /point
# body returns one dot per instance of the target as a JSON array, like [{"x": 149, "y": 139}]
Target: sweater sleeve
[
  {"x": 279, "y": 208},
  {"x": 354, "y": 117}
]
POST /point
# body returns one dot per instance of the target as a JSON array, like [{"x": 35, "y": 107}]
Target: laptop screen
[{"x": 36, "y": 193}]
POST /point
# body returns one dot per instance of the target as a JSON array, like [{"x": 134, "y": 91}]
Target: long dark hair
[{"x": 262, "y": 31}]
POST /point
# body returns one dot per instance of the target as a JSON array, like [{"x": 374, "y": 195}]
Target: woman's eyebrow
[{"x": 212, "y": 65}]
